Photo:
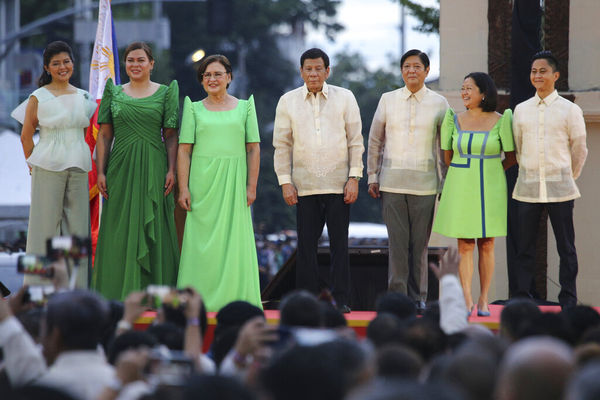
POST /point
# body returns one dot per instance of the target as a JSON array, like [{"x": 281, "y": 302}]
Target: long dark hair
[{"x": 50, "y": 51}]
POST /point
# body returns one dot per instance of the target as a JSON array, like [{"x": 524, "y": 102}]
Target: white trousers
[{"x": 59, "y": 207}]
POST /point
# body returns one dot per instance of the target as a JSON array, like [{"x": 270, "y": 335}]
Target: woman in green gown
[
  {"x": 137, "y": 242},
  {"x": 473, "y": 203},
  {"x": 217, "y": 171}
]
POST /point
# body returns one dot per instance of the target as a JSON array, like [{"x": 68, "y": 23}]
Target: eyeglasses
[
  {"x": 408, "y": 67},
  {"x": 216, "y": 75}
]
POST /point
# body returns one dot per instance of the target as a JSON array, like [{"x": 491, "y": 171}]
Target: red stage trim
[{"x": 357, "y": 320}]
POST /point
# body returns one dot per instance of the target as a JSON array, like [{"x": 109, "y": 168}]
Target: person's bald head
[{"x": 535, "y": 368}]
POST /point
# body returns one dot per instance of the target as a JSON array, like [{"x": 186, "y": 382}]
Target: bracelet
[
  {"x": 193, "y": 322},
  {"x": 241, "y": 360},
  {"x": 354, "y": 177},
  {"x": 124, "y": 325}
]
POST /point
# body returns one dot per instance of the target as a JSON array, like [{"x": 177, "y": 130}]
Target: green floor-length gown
[
  {"x": 473, "y": 203},
  {"x": 218, "y": 255},
  {"x": 137, "y": 241}
]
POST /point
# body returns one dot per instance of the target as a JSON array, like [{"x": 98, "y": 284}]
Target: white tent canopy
[{"x": 15, "y": 182}]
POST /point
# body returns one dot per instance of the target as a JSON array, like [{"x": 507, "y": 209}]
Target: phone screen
[{"x": 32, "y": 264}]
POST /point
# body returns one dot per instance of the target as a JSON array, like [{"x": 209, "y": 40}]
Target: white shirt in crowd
[
  {"x": 550, "y": 141},
  {"x": 404, "y": 142},
  {"x": 83, "y": 374},
  {"x": 318, "y": 140}
]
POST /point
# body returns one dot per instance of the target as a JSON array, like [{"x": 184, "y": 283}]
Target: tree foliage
[
  {"x": 429, "y": 16},
  {"x": 32, "y": 10}
]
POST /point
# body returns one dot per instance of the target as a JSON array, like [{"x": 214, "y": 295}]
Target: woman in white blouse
[{"x": 60, "y": 161}]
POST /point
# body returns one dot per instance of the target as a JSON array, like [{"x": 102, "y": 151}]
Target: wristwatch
[{"x": 355, "y": 177}]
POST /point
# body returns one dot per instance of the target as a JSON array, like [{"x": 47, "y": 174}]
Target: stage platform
[{"x": 357, "y": 320}]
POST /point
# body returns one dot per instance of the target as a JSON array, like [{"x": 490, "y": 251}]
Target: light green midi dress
[{"x": 473, "y": 203}]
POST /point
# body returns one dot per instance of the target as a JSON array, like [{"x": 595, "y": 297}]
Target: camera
[
  {"x": 158, "y": 295},
  {"x": 34, "y": 265},
  {"x": 38, "y": 295},
  {"x": 168, "y": 367},
  {"x": 72, "y": 247}
]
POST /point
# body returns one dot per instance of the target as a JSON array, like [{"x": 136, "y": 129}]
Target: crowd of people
[{"x": 81, "y": 346}]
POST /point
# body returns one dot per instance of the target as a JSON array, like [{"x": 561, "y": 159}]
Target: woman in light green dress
[
  {"x": 473, "y": 203},
  {"x": 217, "y": 171},
  {"x": 137, "y": 242}
]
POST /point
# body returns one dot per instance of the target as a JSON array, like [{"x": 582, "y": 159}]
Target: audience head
[
  {"x": 176, "y": 315},
  {"x": 36, "y": 392},
  {"x": 168, "y": 334},
  {"x": 303, "y": 372},
  {"x": 515, "y": 314},
  {"x": 535, "y": 368},
  {"x": 216, "y": 388},
  {"x": 75, "y": 320},
  {"x": 404, "y": 390},
  {"x": 230, "y": 320},
  {"x": 31, "y": 321},
  {"x": 396, "y": 303},
  {"x": 396, "y": 361},
  {"x": 236, "y": 313},
  {"x": 127, "y": 341},
  {"x": 473, "y": 374},
  {"x": 326, "y": 371},
  {"x": 581, "y": 319},
  {"x": 332, "y": 317},
  {"x": 549, "y": 324},
  {"x": 425, "y": 337},
  {"x": 385, "y": 328},
  {"x": 592, "y": 335},
  {"x": 587, "y": 353},
  {"x": 300, "y": 308},
  {"x": 585, "y": 384}
]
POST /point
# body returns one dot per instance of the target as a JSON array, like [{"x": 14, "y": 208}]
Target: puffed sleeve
[
  {"x": 252, "y": 134},
  {"x": 19, "y": 112},
  {"x": 90, "y": 104},
  {"x": 506, "y": 133},
  {"x": 447, "y": 130},
  {"x": 187, "y": 132},
  {"x": 104, "y": 113},
  {"x": 171, "y": 115}
]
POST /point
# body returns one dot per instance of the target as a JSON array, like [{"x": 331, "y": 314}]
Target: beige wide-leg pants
[{"x": 59, "y": 207}]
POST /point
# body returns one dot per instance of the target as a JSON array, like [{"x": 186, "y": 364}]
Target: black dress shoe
[{"x": 344, "y": 309}]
